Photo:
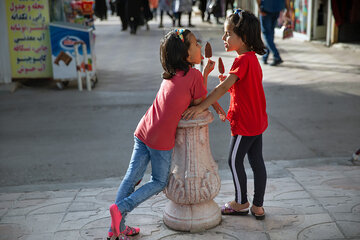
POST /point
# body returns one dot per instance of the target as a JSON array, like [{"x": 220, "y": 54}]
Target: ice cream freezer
[{"x": 73, "y": 54}]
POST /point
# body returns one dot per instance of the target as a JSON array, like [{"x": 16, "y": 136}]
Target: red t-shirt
[
  {"x": 157, "y": 128},
  {"x": 247, "y": 110}
]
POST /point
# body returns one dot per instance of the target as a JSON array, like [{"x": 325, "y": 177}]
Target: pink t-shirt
[{"x": 157, "y": 128}]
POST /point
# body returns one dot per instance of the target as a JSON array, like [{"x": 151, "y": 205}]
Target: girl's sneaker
[
  {"x": 129, "y": 231},
  {"x": 120, "y": 237},
  {"x": 115, "y": 219}
]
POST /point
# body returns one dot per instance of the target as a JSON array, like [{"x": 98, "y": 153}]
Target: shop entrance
[{"x": 320, "y": 19}]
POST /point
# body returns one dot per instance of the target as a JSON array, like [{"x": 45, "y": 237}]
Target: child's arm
[
  {"x": 219, "y": 110},
  {"x": 208, "y": 68},
  {"x": 218, "y": 92}
]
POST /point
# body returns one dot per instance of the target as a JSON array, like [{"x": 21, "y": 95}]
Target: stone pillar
[{"x": 194, "y": 181}]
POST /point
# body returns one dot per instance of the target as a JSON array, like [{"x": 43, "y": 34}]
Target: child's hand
[
  {"x": 222, "y": 77},
  {"x": 222, "y": 117},
  {"x": 219, "y": 110},
  {"x": 209, "y": 67},
  {"x": 191, "y": 112}
]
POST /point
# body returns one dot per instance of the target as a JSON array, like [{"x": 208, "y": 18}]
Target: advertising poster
[
  {"x": 63, "y": 38},
  {"x": 29, "y": 40},
  {"x": 300, "y": 17}
]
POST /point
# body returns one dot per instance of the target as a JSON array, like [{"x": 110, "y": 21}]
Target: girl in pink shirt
[{"x": 182, "y": 86}]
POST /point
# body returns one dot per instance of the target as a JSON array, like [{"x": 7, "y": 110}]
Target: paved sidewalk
[{"x": 305, "y": 199}]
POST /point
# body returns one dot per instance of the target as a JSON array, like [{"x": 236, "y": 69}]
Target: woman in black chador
[
  {"x": 121, "y": 10},
  {"x": 101, "y": 9},
  {"x": 138, "y": 14}
]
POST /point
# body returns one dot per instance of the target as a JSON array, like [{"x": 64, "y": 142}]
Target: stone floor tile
[
  {"x": 292, "y": 232},
  {"x": 77, "y": 206},
  {"x": 9, "y": 196},
  {"x": 238, "y": 235},
  {"x": 324, "y": 191},
  {"x": 13, "y": 219},
  {"x": 10, "y": 231},
  {"x": 44, "y": 223},
  {"x": 350, "y": 229},
  {"x": 51, "y": 208},
  {"x": 24, "y": 207},
  {"x": 107, "y": 195},
  {"x": 68, "y": 235},
  {"x": 340, "y": 204},
  {"x": 305, "y": 206},
  {"x": 321, "y": 231},
  {"x": 36, "y": 195},
  {"x": 28, "y": 206},
  {"x": 6, "y": 204},
  {"x": 44, "y": 236},
  {"x": 65, "y": 193},
  {"x": 89, "y": 192},
  {"x": 3, "y": 211},
  {"x": 76, "y": 220},
  {"x": 292, "y": 195}
]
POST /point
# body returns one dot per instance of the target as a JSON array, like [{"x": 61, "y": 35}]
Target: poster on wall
[
  {"x": 300, "y": 9},
  {"x": 29, "y": 40}
]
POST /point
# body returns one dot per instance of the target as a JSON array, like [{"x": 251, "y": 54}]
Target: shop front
[{"x": 26, "y": 42}]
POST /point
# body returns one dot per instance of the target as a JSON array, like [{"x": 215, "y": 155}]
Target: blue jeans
[
  {"x": 268, "y": 23},
  {"x": 126, "y": 198}
]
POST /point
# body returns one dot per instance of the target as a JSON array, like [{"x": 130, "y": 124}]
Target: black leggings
[{"x": 252, "y": 146}]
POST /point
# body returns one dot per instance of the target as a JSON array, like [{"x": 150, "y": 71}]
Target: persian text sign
[{"x": 29, "y": 39}]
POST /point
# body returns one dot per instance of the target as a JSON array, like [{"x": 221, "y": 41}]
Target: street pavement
[
  {"x": 63, "y": 153},
  {"x": 305, "y": 199}
]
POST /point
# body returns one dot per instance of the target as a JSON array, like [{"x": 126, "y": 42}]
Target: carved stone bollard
[{"x": 194, "y": 181}]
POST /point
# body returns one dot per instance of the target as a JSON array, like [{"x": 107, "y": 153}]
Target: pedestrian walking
[
  {"x": 269, "y": 13},
  {"x": 165, "y": 6},
  {"x": 112, "y": 4},
  {"x": 247, "y": 110},
  {"x": 227, "y": 3},
  {"x": 154, "y": 138},
  {"x": 121, "y": 10},
  {"x": 133, "y": 12},
  {"x": 214, "y": 7},
  {"x": 153, "y": 7},
  {"x": 202, "y": 7},
  {"x": 182, "y": 6},
  {"x": 100, "y": 9}
]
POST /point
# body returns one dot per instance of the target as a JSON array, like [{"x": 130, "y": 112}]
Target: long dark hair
[
  {"x": 247, "y": 26},
  {"x": 173, "y": 53}
]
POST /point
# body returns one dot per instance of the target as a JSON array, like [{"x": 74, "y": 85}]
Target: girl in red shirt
[
  {"x": 247, "y": 111},
  {"x": 154, "y": 137}
]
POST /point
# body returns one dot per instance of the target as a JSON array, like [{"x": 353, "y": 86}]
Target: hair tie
[
  {"x": 179, "y": 33},
  {"x": 239, "y": 12}
]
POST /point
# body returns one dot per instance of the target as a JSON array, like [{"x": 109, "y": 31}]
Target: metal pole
[{"x": 78, "y": 66}]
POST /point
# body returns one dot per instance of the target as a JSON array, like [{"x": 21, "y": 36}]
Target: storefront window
[{"x": 72, "y": 11}]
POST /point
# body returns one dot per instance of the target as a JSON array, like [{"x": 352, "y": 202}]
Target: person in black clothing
[
  {"x": 121, "y": 10},
  {"x": 138, "y": 14},
  {"x": 202, "y": 7},
  {"x": 112, "y": 4},
  {"x": 227, "y": 3},
  {"x": 101, "y": 9}
]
